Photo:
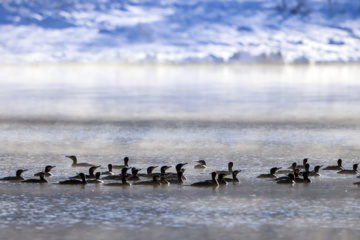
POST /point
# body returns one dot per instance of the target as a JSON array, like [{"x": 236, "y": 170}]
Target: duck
[
  {"x": 40, "y": 180},
  {"x": 109, "y": 172},
  {"x": 179, "y": 179},
  {"x": 201, "y": 164},
  {"x": 18, "y": 176},
  {"x": 306, "y": 169},
  {"x": 338, "y": 167},
  {"x": 154, "y": 182},
  {"x": 305, "y": 178},
  {"x": 229, "y": 171},
  {"x": 221, "y": 179},
  {"x": 149, "y": 171},
  {"x": 289, "y": 180},
  {"x": 91, "y": 172},
  {"x": 75, "y": 181},
  {"x": 76, "y": 164},
  {"x": 315, "y": 172},
  {"x": 209, "y": 183},
  {"x": 163, "y": 180},
  {"x": 162, "y": 171},
  {"x": 90, "y": 175},
  {"x": 126, "y": 164},
  {"x": 97, "y": 179},
  {"x": 305, "y": 160},
  {"x": 134, "y": 174},
  {"x": 47, "y": 172},
  {"x": 178, "y": 168},
  {"x": 123, "y": 183},
  {"x": 289, "y": 170},
  {"x": 272, "y": 173},
  {"x": 234, "y": 177},
  {"x": 349, "y": 171},
  {"x": 295, "y": 174},
  {"x": 117, "y": 177}
]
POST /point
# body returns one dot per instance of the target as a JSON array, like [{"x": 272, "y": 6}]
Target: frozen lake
[{"x": 258, "y": 116}]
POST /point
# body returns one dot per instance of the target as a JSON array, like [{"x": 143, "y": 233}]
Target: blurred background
[{"x": 176, "y": 31}]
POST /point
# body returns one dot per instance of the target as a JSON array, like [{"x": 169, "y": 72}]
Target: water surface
[{"x": 256, "y": 116}]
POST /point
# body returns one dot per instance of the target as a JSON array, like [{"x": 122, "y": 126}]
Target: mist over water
[{"x": 256, "y": 116}]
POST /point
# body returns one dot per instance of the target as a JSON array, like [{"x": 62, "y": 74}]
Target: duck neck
[
  {"x": 18, "y": 173},
  {"x": 123, "y": 180},
  {"x": 74, "y": 160},
  {"x": 42, "y": 178},
  {"x": 155, "y": 179},
  {"x": 230, "y": 168},
  {"x": 179, "y": 175},
  {"x": 149, "y": 170},
  {"x": 214, "y": 178},
  {"x": 234, "y": 176}
]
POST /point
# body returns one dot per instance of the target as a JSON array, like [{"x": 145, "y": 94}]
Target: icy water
[{"x": 256, "y": 116}]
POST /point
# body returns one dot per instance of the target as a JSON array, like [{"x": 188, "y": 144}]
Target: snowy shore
[{"x": 176, "y": 31}]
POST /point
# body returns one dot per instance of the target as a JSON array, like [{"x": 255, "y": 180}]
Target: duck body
[
  {"x": 134, "y": 175},
  {"x": 123, "y": 183},
  {"x": 91, "y": 174},
  {"x": 154, "y": 182},
  {"x": 46, "y": 172},
  {"x": 201, "y": 164},
  {"x": 209, "y": 183},
  {"x": 234, "y": 177},
  {"x": 179, "y": 179},
  {"x": 117, "y": 177},
  {"x": 221, "y": 179},
  {"x": 349, "y": 171},
  {"x": 97, "y": 179},
  {"x": 178, "y": 169},
  {"x": 109, "y": 172},
  {"x": 126, "y": 164},
  {"x": 271, "y": 175},
  {"x": 315, "y": 172},
  {"x": 40, "y": 180},
  {"x": 289, "y": 180},
  {"x": 163, "y": 180},
  {"x": 338, "y": 167},
  {"x": 76, "y": 164},
  {"x": 75, "y": 181},
  {"x": 305, "y": 178},
  {"x": 18, "y": 176}
]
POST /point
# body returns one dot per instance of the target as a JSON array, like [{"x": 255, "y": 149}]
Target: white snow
[{"x": 179, "y": 31}]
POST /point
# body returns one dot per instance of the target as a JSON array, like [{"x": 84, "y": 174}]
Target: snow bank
[{"x": 178, "y": 31}]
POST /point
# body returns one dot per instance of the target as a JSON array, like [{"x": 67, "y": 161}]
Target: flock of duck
[{"x": 294, "y": 174}]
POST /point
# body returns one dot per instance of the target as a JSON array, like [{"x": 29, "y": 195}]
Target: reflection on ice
[{"x": 185, "y": 207}]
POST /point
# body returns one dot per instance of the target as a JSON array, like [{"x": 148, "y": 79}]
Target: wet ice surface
[{"x": 39, "y": 135}]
